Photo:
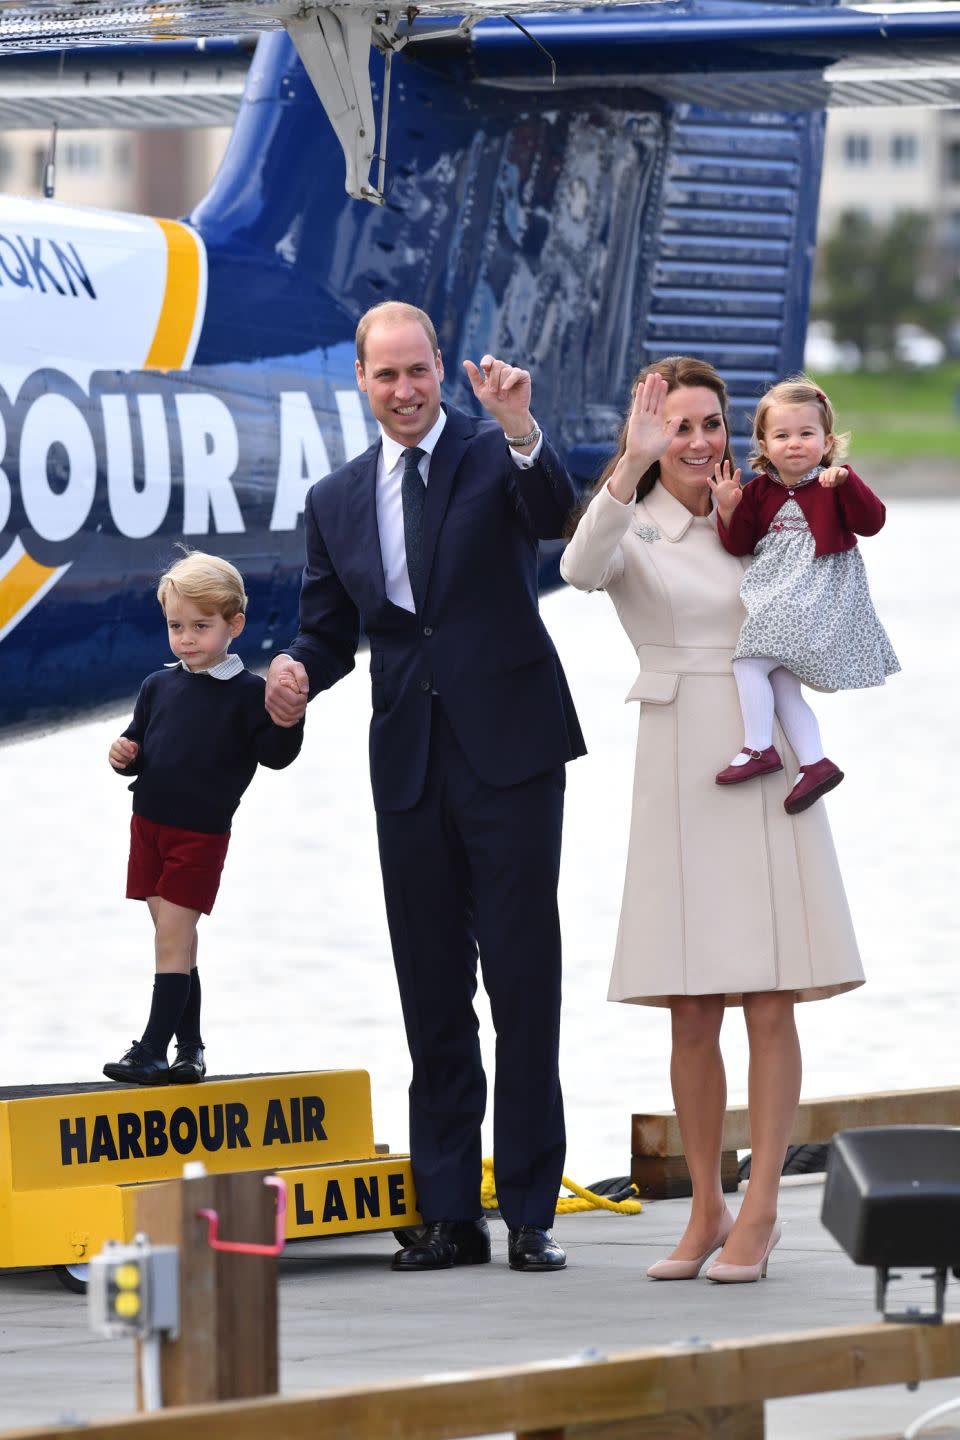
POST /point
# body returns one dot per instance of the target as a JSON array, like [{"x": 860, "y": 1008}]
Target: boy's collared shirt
[{"x": 226, "y": 669}]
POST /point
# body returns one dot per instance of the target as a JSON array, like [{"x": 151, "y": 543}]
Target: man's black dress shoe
[
  {"x": 530, "y": 1248},
  {"x": 447, "y": 1243},
  {"x": 189, "y": 1065},
  {"x": 139, "y": 1066}
]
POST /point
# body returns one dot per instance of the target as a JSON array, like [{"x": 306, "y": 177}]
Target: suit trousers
[{"x": 470, "y": 867}]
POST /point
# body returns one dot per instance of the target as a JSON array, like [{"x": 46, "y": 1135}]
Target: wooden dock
[{"x": 397, "y": 1348}]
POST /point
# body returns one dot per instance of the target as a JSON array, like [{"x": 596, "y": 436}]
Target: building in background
[
  {"x": 150, "y": 172},
  {"x": 884, "y": 162}
]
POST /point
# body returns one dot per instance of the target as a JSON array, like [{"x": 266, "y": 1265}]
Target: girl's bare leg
[
  {"x": 773, "y": 1094},
  {"x": 700, "y": 1096}
]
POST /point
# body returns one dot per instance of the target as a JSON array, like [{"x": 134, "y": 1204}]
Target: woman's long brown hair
[{"x": 680, "y": 372}]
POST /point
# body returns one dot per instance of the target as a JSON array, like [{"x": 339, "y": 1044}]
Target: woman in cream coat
[{"x": 728, "y": 900}]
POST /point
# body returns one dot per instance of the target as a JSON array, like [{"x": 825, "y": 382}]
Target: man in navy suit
[{"x": 431, "y": 537}]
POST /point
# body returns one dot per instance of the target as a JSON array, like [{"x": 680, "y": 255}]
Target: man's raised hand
[{"x": 504, "y": 392}]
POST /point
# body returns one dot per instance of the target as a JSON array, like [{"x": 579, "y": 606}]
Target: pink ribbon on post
[{"x": 249, "y": 1247}]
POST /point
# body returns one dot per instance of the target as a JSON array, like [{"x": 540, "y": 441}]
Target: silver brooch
[{"x": 649, "y": 533}]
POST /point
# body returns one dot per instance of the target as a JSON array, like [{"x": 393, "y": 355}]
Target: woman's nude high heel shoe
[
  {"x": 725, "y": 1274},
  {"x": 689, "y": 1269}
]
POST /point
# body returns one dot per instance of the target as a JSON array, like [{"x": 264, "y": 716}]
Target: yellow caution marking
[
  {"x": 171, "y": 340},
  {"x": 22, "y": 585}
]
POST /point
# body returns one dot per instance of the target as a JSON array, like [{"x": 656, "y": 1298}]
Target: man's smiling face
[{"x": 401, "y": 375}]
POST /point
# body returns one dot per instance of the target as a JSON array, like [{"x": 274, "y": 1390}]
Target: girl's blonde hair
[
  {"x": 213, "y": 585},
  {"x": 797, "y": 390}
]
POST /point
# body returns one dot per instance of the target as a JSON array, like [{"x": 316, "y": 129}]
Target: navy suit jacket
[{"x": 478, "y": 640}]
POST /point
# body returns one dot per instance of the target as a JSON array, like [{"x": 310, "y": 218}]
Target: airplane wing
[{"x": 801, "y": 55}]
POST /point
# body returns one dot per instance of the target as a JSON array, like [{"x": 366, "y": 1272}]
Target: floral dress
[{"x": 812, "y": 613}]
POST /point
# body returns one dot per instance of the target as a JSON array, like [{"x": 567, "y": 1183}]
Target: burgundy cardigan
[{"x": 835, "y": 516}]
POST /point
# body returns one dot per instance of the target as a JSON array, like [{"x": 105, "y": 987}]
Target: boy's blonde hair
[
  {"x": 797, "y": 390},
  {"x": 212, "y": 584}
]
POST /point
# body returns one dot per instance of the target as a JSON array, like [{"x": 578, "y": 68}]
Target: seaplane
[{"x": 579, "y": 188}]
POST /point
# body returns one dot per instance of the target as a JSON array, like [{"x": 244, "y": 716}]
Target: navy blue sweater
[{"x": 200, "y": 742}]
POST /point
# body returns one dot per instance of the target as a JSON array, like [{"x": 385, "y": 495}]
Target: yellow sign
[
  {"x": 252, "y": 1122},
  {"x": 70, "y": 1161}
]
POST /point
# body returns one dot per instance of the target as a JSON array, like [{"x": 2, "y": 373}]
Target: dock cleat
[{"x": 139, "y": 1066}]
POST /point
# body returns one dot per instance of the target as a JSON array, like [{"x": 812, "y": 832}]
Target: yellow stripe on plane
[
  {"x": 175, "y": 326},
  {"x": 19, "y": 586}
]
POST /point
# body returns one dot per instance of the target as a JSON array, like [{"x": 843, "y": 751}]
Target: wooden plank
[
  {"x": 667, "y": 1177},
  {"x": 565, "y": 1394},
  {"x": 658, "y": 1134},
  {"x": 723, "y": 1422}
]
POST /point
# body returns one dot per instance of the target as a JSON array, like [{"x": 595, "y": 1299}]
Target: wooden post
[{"x": 227, "y": 1347}]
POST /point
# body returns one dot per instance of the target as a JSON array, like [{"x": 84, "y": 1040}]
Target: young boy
[{"x": 198, "y": 732}]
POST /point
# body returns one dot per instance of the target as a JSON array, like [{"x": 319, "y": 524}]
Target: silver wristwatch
[{"x": 530, "y": 439}]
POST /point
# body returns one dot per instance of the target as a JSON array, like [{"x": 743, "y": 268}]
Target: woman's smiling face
[{"x": 698, "y": 444}]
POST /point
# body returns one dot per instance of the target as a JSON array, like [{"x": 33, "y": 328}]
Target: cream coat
[{"x": 725, "y": 893}]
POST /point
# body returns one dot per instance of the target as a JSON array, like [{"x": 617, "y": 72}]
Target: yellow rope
[{"x": 581, "y": 1199}]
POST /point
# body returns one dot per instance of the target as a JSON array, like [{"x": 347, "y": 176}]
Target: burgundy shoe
[
  {"x": 761, "y": 762},
  {"x": 812, "y": 782}
]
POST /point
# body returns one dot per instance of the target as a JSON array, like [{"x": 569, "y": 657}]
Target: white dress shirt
[{"x": 393, "y": 548}]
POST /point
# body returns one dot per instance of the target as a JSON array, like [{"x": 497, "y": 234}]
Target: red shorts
[{"x": 182, "y": 866}]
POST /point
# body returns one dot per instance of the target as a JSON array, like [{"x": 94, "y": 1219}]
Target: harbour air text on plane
[{"x": 580, "y": 192}]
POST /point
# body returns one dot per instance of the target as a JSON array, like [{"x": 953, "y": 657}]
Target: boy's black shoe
[
  {"x": 189, "y": 1066},
  {"x": 140, "y": 1066}
]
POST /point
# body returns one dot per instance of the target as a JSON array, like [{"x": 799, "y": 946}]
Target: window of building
[
  {"x": 6, "y": 161},
  {"x": 39, "y": 166},
  {"x": 904, "y": 149},
  {"x": 122, "y": 157},
  {"x": 856, "y": 149},
  {"x": 81, "y": 157},
  {"x": 953, "y": 162}
]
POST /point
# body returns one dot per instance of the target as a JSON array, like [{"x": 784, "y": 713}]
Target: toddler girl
[{"x": 810, "y": 619}]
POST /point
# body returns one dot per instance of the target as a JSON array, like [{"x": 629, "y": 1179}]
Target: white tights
[{"x": 765, "y": 686}]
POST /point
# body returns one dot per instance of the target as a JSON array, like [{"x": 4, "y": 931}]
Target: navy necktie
[{"x": 413, "y": 494}]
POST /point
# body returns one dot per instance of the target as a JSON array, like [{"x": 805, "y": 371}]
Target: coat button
[
  {"x": 789, "y": 492},
  {"x": 428, "y": 631},
  {"x": 424, "y": 685}
]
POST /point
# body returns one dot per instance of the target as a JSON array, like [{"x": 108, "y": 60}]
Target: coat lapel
[{"x": 361, "y": 513}]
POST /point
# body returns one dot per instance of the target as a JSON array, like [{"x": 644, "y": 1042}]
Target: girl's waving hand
[
  {"x": 727, "y": 490},
  {"x": 833, "y": 476}
]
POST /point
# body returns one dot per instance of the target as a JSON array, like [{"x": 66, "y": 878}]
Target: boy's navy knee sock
[
  {"x": 188, "y": 1026},
  {"x": 170, "y": 994}
]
